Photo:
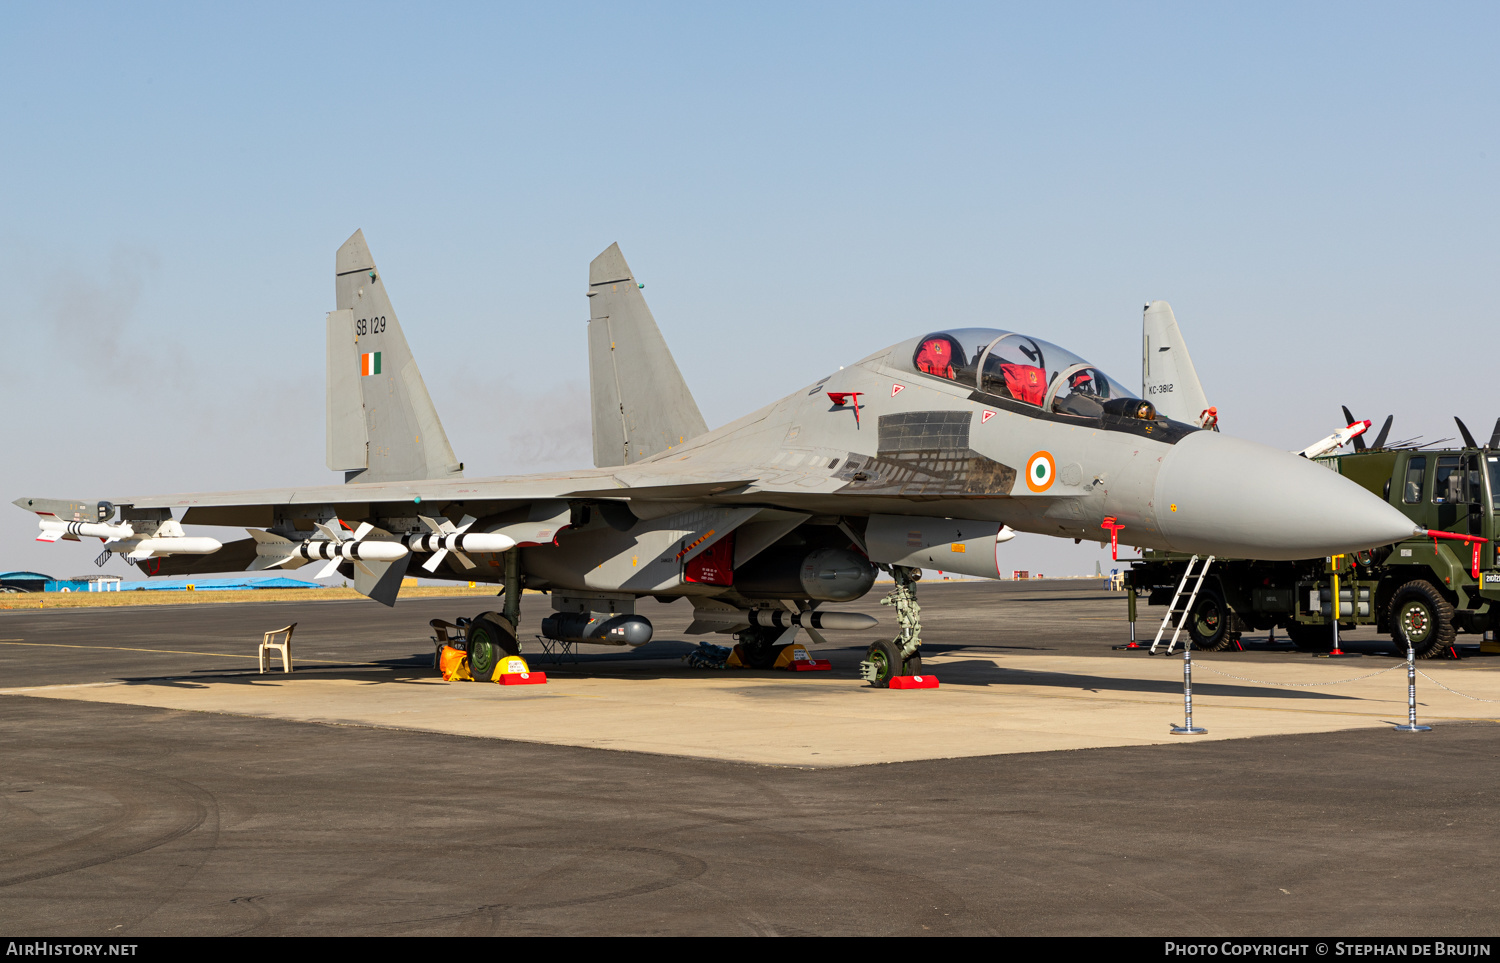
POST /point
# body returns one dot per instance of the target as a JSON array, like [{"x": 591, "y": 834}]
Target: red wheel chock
[{"x": 522, "y": 678}]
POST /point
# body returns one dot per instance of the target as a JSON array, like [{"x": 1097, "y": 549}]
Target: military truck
[{"x": 1426, "y": 588}]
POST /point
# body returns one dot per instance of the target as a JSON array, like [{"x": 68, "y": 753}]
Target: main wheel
[
  {"x": 913, "y": 665},
  {"x": 885, "y": 656},
  {"x": 1211, "y": 624},
  {"x": 1420, "y": 613},
  {"x": 758, "y": 646},
  {"x": 1310, "y": 638},
  {"x": 489, "y": 642}
]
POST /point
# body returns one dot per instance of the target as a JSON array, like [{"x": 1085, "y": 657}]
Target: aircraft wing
[{"x": 256, "y": 507}]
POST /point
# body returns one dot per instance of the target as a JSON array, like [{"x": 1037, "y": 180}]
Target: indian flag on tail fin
[{"x": 369, "y": 364}]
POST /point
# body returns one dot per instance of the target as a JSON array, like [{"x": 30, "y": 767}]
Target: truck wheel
[
  {"x": 1427, "y": 618},
  {"x": 1310, "y": 638},
  {"x": 1211, "y": 624}
]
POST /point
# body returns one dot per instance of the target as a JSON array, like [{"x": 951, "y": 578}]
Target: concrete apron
[{"x": 988, "y": 704}]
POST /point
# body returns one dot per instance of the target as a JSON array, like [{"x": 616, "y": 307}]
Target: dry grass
[{"x": 77, "y": 600}]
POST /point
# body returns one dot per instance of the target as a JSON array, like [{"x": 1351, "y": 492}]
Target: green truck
[{"x": 1426, "y": 588}]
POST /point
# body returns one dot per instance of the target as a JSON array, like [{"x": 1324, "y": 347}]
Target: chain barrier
[
  {"x": 1409, "y": 664},
  {"x": 1454, "y": 691},
  {"x": 1357, "y": 678},
  {"x": 1305, "y": 685}
]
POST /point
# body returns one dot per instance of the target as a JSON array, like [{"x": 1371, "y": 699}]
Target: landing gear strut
[
  {"x": 901, "y": 655},
  {"x": 492, "y": 635}
]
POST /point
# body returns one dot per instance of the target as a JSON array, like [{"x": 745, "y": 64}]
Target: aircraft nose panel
[{"x": 1237, "y": 499}]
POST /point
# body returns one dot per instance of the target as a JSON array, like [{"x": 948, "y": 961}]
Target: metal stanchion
[
  {"x": 1187, "y": 728},
  {"x": 1411, "y": 690}
]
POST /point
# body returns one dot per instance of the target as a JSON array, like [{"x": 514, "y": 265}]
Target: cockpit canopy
[{"x": 1027, "y": 370}]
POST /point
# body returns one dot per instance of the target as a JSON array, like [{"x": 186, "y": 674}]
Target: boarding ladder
[{"x": 1177, "y": 617}]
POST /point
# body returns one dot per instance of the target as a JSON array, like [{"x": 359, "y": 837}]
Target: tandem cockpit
[{"x": 1035, "y": 377}]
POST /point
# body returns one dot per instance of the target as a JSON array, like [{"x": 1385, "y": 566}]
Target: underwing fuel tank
[
  {"x": 163, "y": 547},
  {"x": 602, "y": 628},
  {"x": 1224, "y": 496},
  {"x": 824, "y": 575}
]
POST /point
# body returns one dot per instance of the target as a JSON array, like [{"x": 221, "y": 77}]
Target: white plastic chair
[{"x": 281, "y": 640}]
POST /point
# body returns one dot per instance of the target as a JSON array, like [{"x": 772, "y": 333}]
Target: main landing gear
[
  {"x": 492, "y": 635},
  {"x": 902, "y": 655}
]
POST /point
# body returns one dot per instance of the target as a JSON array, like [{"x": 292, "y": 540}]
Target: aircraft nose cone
[{"x": 1217, "y": 495}]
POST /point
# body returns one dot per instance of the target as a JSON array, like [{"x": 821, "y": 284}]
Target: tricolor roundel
[{"x": 1040, "y": 469}]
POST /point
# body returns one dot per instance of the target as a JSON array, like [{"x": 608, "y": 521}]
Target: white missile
[
  {"x": 445, "y": 538},
  {"x": 317, "y": 549},
  {"x": 782, "y": 619},
  {"x": 460, "y": 542},
  {"x": 123, "y": 538},
  {"x": 272, "y": 550},
  {"x": 54, "y": 528},
  {"x": 1336, "y": 440}
]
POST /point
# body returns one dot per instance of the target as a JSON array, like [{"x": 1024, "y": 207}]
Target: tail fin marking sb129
[{"x": 382, "y": 425}]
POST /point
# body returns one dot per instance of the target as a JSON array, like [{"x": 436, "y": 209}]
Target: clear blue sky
[{"x": 1313, "y": 187}]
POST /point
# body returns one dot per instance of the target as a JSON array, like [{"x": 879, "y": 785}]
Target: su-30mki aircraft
[{"x": 930, "y": 453}]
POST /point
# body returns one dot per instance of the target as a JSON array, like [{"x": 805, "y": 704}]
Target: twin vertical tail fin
[
  {"x": 382, "y": 425},
  {"x": 1168, "y": 379},
  {"x": 641, "y": 405}
]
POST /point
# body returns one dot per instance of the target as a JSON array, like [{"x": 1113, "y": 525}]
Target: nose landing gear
[{"x": 902, "y": 655}]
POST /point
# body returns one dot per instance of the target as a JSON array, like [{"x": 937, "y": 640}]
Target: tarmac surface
[{"x": 152, "y": 782}]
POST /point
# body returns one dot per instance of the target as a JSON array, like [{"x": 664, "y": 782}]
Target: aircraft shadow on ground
[
  {"x": 1048, "y": 597},
  {"x": 416, "y": 667},
  {"x": 388, "y": 670},
  {"x": 421, "y": 672},
  {"x": 662, "y": 661},
  {"x": 939, "y": 648},
  {"x": 643, "y": 664},
  {"x": 979, "y": 672}
]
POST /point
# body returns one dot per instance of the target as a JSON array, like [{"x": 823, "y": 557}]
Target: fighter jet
[{"x": 930, "y": 453}]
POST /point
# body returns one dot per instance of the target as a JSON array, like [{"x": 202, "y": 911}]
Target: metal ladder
[{"x": 1182, "y": 613}]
